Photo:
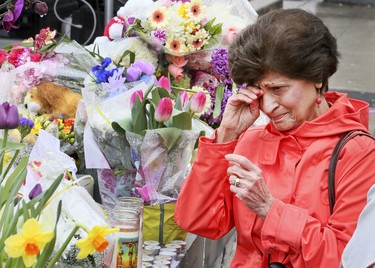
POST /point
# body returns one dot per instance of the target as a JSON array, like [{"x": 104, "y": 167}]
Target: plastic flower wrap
[
  {"x": 146, "y": 136},
  {"x": 175, "y": 27},
  {"x": 39, "y": 209}
]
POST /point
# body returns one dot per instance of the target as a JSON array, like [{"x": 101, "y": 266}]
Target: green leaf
[
  {"x": 218, "y": 100},
  {"x": 12, "y": 146},
  {"x": 139, "y": 118},
  {"x": 169, "y": 135},
  {"x": 122, "y": 125},
  {"x": 181, "y": 120},
  {"x": 14, "y": 182},
  {"x": 126, "y": 53},
  {"x": 48, "y": 193},
  {"x": 48, "y": 250},
  {"x": 178, "y": 103}
]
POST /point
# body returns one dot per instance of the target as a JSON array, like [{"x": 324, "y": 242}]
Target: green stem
[
  {"x": 183, "y": 89},
  {"x": 7, "y": 4},
  {"x": 5, "y": 139},
  {"x": 11, "y": 163},
  {"x": 63, "y": 247}
]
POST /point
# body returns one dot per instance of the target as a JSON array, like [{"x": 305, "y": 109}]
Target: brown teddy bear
[{"x": 53, "y": 99}]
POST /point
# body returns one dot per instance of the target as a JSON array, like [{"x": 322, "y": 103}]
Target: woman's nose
[{"x": 268, "y": 103}]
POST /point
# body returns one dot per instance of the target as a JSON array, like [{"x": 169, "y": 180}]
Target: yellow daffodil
[
  {"x": 36, "y": 128},
  {"x": 94, "y": 241},
  {"x": 7, "y": 158},
  {"x": 28, "y": 243}
]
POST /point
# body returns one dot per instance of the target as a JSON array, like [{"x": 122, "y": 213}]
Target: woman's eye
[{"x": 276, "y": 89}]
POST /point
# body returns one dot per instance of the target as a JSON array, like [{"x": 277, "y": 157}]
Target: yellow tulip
[
  {"x": 28, "y": 243},
  {"x": 94, "y": 241}
]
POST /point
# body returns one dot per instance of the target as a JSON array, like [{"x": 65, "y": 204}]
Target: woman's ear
[{"x": 318, "y": 86}]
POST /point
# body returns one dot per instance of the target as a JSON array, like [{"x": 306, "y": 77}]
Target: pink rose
[
  {"x": 230, "y": 35},
  {"x": 175, "y": 71},
  {"x": 179, "y": 61}
]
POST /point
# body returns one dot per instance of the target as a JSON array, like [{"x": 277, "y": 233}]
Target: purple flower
[
  {"x": 41, "y": 8},
  {"x": 133, "y": 73},
  {"x": 26, "y": 122},
  {"x": 37, "y": 190},
  {"x": 219, "y": 62},
  {"x": 12, "y": 15},
  {"x": 145, "y": 67},
  {"x": 9, "y": 117},
  {"x": 160, "y": 35}
]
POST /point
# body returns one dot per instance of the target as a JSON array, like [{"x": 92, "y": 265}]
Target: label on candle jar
[{"x": 127, "y": 248}]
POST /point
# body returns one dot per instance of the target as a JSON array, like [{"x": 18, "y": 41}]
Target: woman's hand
[
  {"x": 240, "y": 113},
  {"x": 247, "y": 183}
]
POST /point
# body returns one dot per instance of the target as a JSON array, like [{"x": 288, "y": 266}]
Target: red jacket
[{"x": 298, "y": 230}]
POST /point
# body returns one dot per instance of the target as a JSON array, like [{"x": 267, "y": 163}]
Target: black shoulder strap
[{"x": 333, "y": 162}]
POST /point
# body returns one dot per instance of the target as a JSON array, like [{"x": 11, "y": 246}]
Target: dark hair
[{"x": 292, "y": 42}]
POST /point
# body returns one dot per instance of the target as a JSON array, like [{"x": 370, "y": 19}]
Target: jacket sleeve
[
  {"x": 308, "y": 241},
  {"x": 204, "y": 205}
]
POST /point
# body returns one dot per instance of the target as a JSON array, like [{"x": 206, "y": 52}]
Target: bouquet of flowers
[
  {"x": 144, "y": 132},
  {"x": 14, "y": 9},
  {"x": 40, "y": 61}
]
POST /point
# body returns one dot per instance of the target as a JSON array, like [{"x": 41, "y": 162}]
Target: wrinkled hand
[
  {"x": 240, "y": 113},
  {"x": 251, "y": 188}
]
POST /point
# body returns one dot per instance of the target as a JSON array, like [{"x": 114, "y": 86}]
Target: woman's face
[{"x": 288, "y": 102}]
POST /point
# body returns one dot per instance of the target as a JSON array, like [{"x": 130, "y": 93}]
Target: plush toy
[
  {"x": 52, "y": 99},
  {"x": 125, "y": 15}
]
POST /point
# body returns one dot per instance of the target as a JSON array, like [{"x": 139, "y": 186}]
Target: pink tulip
[
  {"x": 163, "y": 110},
  {"x": 175, "y": 71},
  {"x": 198, "y": 102},
  {"x": 184, "y": 98},
  {"x": 143, "y": 193},
  {"x": 164, "y": 83},
  {"x": 133, "y": 97}
]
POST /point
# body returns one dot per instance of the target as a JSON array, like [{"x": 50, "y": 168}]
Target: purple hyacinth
[
  {"x": 208, "y": 116},
  {"x": 219, "y": 62}
]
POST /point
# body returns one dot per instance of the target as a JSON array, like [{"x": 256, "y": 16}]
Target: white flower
[
  {"x": 159, "y": 18},
  {"x": 195, "y": 10}
]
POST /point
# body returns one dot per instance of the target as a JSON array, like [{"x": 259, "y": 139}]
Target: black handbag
[{"x": 334, "y": 159}]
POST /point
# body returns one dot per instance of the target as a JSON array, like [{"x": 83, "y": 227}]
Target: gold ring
[{"x": 237, "y": 182}]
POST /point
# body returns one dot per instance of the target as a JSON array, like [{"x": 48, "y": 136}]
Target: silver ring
[{"x": 237, "y": 182}]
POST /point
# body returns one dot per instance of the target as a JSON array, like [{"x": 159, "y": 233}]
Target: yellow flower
[
  {"x": 36, "y": 129},
  {"x": 28, "y": 243},
  {"x": 94, "y": 241},
  {"x": 7, "y": 158}
]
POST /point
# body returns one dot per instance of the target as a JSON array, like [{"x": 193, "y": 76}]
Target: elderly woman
[{"x": 270, "y": 182}]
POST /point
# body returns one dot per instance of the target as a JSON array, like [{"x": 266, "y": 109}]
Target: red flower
[
  {"x": 3, "y": 56},
  {"x": 14, "y": 56},
  {"x": 35, "y": 57}
]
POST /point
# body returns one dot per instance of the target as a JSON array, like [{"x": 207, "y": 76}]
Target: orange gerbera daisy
[
  {"x": 195, "y": 9},
  {"x": 159, "y": 18}
]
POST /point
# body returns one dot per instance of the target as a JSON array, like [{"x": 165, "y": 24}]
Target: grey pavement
[{"x": 352, "y": 22}]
